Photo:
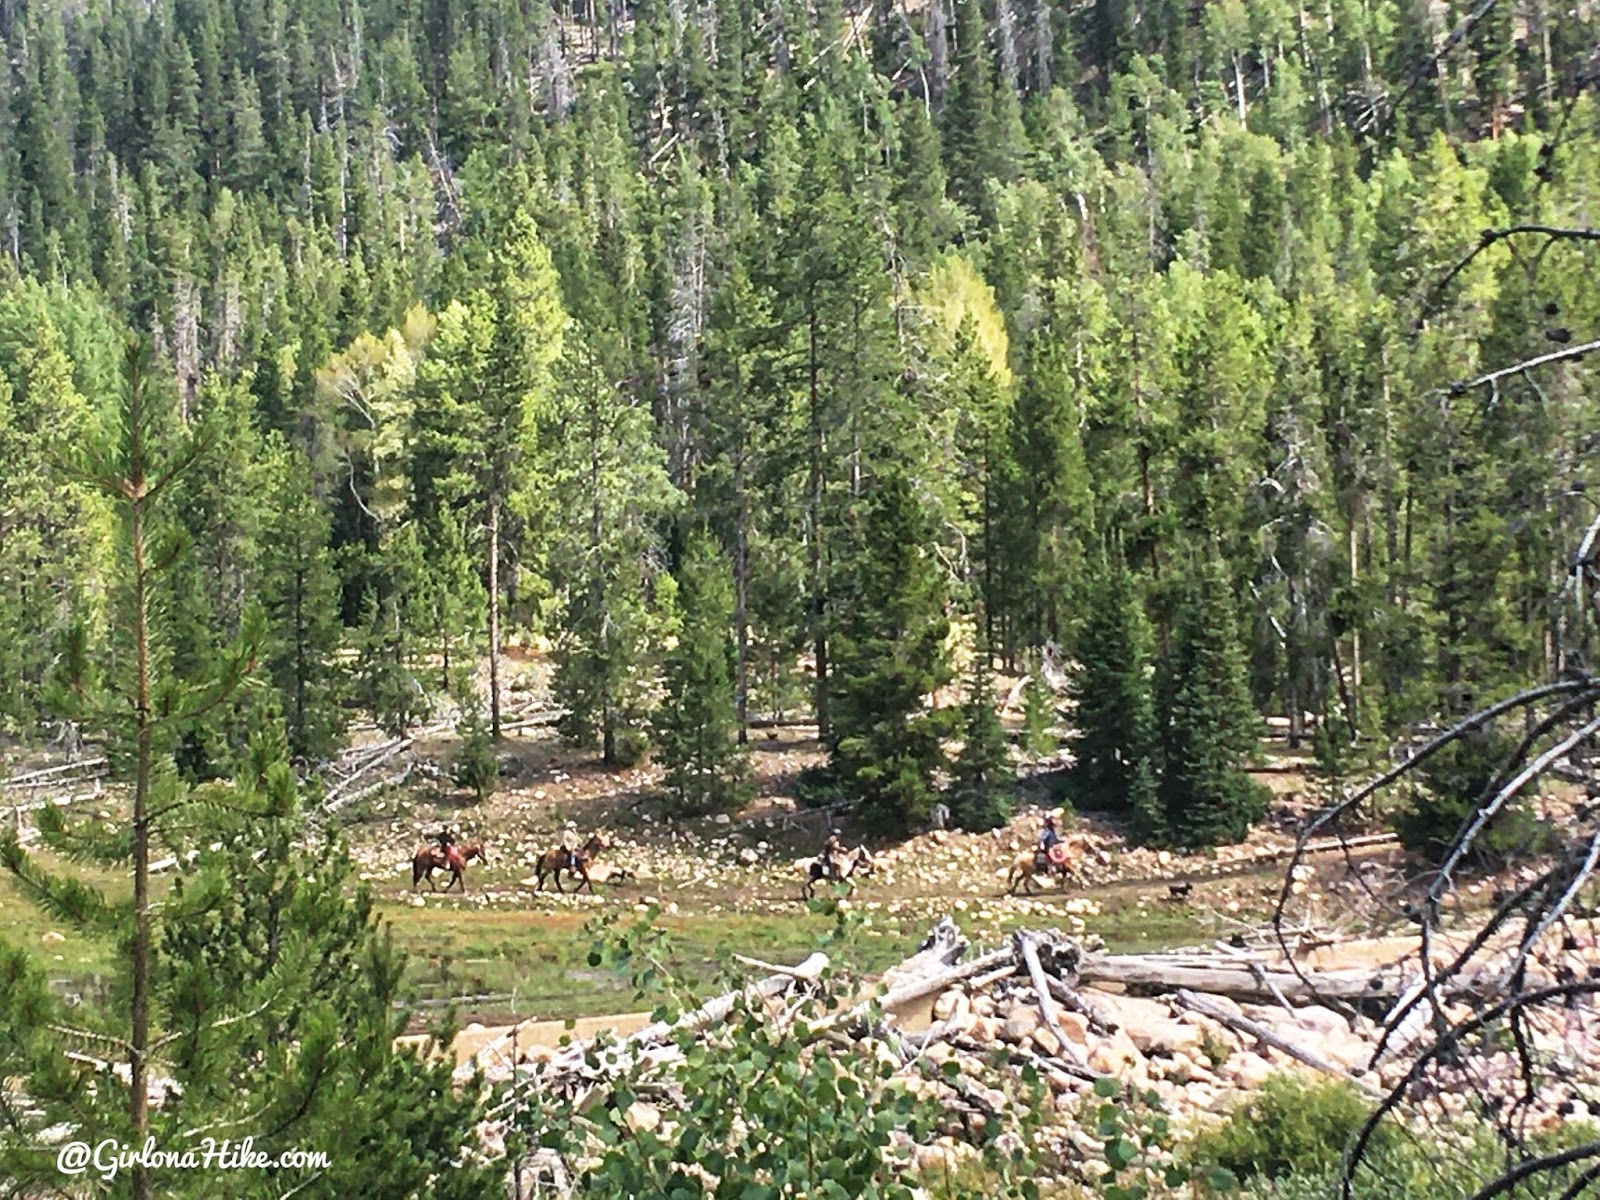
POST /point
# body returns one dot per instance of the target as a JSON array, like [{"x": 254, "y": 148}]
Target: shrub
[
  {"x": 1452, "y": 782},
  {"x": 1289, "y": 1127}
]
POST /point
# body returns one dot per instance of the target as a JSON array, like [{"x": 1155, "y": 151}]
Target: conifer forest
[{"x": 958, "y": 380}]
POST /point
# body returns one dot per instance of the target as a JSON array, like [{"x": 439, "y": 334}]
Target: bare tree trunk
[
  {"x": 494, "y": 612},
  {"x": 741, "y": 576},
  {"x": 818, "y": 601},
  {"x": 144, "y": 722}
]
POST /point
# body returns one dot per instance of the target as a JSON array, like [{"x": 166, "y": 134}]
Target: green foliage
[
  {"x": 1210, "y": 725},
  {"x": 889, "y": 653},
  {"x": 1137, "y": 1136},
  {"x": 1115, "y": 713},
  {"x": 696, "y": 725},
  {"x": 765, "y": 1111},
  {"x": 475, "y": 766},
  {"x": 1038, "y": 717},
  {"x": 608, "y": 485},
  {"x": 385, "y": 683},
  {"x": 1450, "y": 787},
  {"x": 1288, "y": 1126},
  {"x": 980, "y": 799}
]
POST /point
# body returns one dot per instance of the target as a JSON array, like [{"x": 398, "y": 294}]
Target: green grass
[
  {"x": 542, "y": 957},
  {"x": 78, "y": 959}
]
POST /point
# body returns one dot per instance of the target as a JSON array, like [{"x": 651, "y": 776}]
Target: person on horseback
[
  {"x": 1048, "y": 836},
  {"x": 832, "y": 853},
  {"x": 446, "y": 838},
  {"x": 569, "y": 843}
]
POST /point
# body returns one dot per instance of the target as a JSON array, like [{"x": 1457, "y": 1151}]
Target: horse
[
  {"x": 1034, "y": 862},
  {"x": 429, "y": 859},
  {"x": 553, "y": 862},
  {"x": 815, "y": 870}
]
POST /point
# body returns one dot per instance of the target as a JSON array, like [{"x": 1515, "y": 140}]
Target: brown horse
[
  {"x": 429, "y": 859},
  {"x": 553, "y": 862},
  {"x": 815, "y": 870},
  {"x": 1034, "y": 862}
]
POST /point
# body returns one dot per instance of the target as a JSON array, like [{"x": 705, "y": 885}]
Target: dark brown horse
[
  {"x": 429, "y": 859},
  {"x": 553, "y": 862}
]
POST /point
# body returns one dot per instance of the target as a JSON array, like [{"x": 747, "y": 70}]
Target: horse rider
[
  {"x": 1048, "y": 836},
  {"x": 446, "y": 838},
  {"x": 833, "y": 853},
  {"x": 569, "y": 844}
]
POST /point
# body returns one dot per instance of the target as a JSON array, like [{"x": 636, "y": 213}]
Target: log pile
[{"x": 1200, "y": 1030}]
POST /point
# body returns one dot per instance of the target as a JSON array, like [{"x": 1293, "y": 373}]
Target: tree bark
[
  {"x": 144, "y": 723},
  {"x": 494, "y": 612},
  {"x": 741, "y": 570},
  {"x": 814, "y": 502}
]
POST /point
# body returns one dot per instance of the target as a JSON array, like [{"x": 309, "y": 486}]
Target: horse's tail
[{"x": 416, "y": 870}]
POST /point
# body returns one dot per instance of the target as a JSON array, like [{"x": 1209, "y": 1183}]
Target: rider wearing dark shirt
[{"x": 1048, "y": 836}]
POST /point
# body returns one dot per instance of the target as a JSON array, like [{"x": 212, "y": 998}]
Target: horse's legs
[{"x": 556, "y": 875}]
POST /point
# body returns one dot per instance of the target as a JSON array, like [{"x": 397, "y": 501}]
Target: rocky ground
[{"x": 1193, "y": 1055}]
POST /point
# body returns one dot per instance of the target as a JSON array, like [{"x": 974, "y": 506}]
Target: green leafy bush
[
  {"x": 757, "y": 1111},
  {"x": 1289, "y": 1127}
]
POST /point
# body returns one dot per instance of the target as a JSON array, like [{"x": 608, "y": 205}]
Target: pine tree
[
  {"x": 1113, "y": 689},
  {"x": 1038, "y": 714},
  {"x": 1211, "y": 727},
  {"x": 884, "y": 746},
  {"x": 607, "y": 486},
  {"x": 385, "y": 683},
  {"x": 486, "y": 385},
  {"x": 981, "y": 796},
  {"x": 474, "y": 765},
  {"x": 136, "y": 465},
  {"x": 300, "y": 593},
  {"x": 697, "y": 726}
]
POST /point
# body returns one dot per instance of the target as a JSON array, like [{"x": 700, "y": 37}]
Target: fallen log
[
  {"x": 1027, "y": 947},
  {"x": 1235, "y": 978},
  {"x": 1073, "y": 1001},
  {"x": 1254, "y": 1029},
  {"x": 93, "y": 768}
]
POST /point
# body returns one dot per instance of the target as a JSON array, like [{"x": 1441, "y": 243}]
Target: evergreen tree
[
  {"x": 607, "y": 487},
  {"x": 1211, "y": 729},
  {"x": 981, "y": 795},
  {"x": 143, "y": 710},
  {"x": 890, "y": 656},
  {"x": 474, "y": 765},
  {"x": 697, "y": 725},
  {"x": 485, "y": 386},
  {"x": 1115, "y": 714},
  {"x": 1038, "y": 714},
  {"x": 300, "y": 593}
]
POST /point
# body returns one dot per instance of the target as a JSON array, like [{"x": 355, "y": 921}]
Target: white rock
[
  {"x": 642, "y": 1117},
  {"x": 53, "y": 938}
]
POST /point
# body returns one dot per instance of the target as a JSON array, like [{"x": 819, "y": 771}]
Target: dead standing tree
[{"x": 1530, "y": 1033}]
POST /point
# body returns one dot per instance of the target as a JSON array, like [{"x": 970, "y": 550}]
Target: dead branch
[{"x": 1254, "y": 1029}]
